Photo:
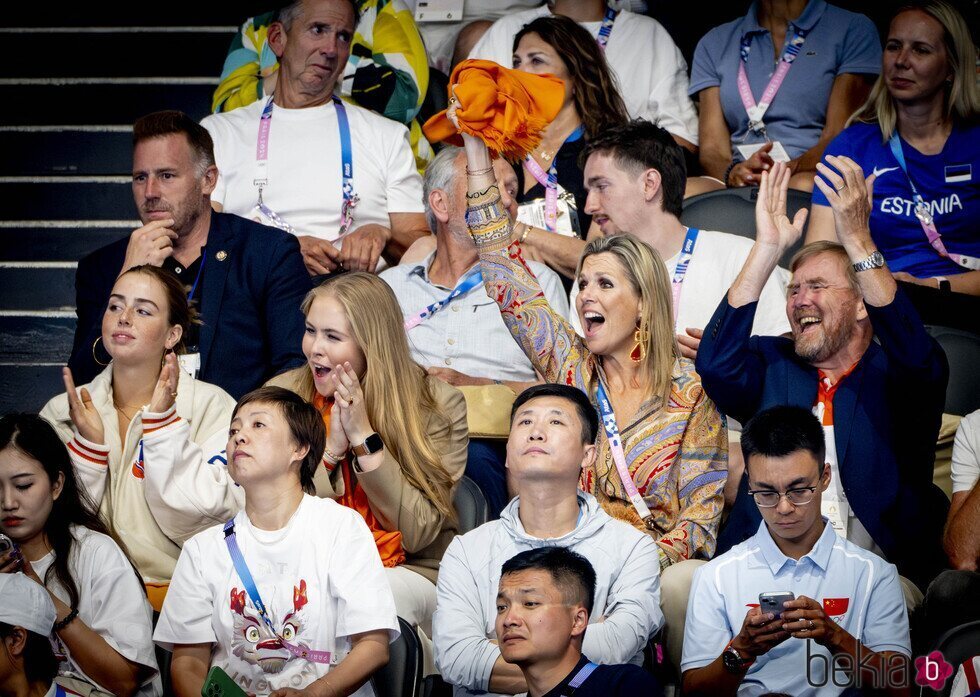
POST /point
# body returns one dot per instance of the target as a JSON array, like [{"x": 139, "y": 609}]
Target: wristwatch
[
  {"x": 734, "y": 663},
  {"x": 874, "y": 261},
  {"x": 371, "y": 445},
  {"x": 944, "y": 285}
]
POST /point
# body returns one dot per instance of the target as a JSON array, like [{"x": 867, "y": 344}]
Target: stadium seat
[
  {"x": 958, "y": 645},
  {"x": 470, "y": 505},
  {"x": 733, "y": 211},
  {"x": 962, "y": 349},
  {"x": 402, "y": 677}
]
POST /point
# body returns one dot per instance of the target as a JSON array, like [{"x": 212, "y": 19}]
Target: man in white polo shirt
[
  {"x": 339, "y": 177},
  {"x": 846, "y": 626}
]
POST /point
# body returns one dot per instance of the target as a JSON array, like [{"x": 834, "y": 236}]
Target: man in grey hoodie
[{"x": 553, "y": 428}]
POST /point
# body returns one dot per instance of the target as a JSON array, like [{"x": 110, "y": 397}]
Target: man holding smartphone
[{"x": 846, "y": 626}]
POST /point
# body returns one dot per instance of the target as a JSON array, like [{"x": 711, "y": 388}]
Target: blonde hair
[
  {"x": 396, "y": 389},
  {"x": 827, "y": 247},
  {"x": 962, "y": 98},
  {"x": 647, "y": 275}
]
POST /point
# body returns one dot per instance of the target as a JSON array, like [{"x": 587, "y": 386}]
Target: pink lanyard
[
  {"x": 757, "y": 111},
  {"x": 924, "y": 214},
  {"x": 549, "y": 180},
  {"x": 680, "y": 271},
  {"x": 619, "y": 457},
  {"x": 350, "y": 198}
]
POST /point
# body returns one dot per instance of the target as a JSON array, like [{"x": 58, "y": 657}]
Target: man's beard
[{"x": 835, "y": 337}]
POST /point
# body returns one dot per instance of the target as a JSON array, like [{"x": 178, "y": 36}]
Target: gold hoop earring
[
  {"x": 642, "y": 337},
  {"x": 95, "y": 356}
]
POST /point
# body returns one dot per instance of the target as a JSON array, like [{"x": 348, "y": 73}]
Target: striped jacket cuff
[
  {"x": 89, "y": 451},
  {"x": 155, "y": 422}
]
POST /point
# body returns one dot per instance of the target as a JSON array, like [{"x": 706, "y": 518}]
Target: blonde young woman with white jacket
[{"x": 146, "y": 439}]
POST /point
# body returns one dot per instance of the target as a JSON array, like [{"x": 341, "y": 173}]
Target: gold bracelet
[
  {"x": 334, "y": 459},
  {"x": 527, "y": 231}
]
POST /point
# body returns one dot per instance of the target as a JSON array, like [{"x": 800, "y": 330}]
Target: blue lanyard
[
  {"x": 200, "y": 270},
  {"x": 582, "y": 675},
  {"x": 59, "y": 691},
  {"x": 346, "y": 165},
  {"x": 253, "y": 593},
  {"x": 680, "y": 271},
  {"x": 474, "y": 278},
  {"x": 606, "y": 29},
  {"x": 895, "y": 144}
]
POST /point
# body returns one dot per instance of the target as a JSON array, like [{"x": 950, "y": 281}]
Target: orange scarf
[
  {"x": 389, "y": 543},
  {"x": 507, "y": 109}
]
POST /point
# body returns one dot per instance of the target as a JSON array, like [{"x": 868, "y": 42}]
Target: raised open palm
[{"x": 772, "y": 225}]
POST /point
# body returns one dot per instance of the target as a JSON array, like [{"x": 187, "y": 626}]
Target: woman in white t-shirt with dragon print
[{"x": 309, "y": 562}]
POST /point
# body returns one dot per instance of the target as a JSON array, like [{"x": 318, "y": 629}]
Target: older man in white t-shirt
[{"x": 339, "y": 177}]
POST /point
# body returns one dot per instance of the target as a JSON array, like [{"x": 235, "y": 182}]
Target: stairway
[{"x": 70, "y": 98}]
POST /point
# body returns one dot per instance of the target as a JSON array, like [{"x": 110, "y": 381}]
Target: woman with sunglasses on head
[
  {"x": 146, "y": 438},
  {"x": 288, "y": 597},
  {"x": 102, "y": 631}
]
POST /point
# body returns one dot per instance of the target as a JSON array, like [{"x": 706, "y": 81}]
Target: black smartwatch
[
  {"x": 371, "y": 445},
  {"x": 733, "y": 661}
]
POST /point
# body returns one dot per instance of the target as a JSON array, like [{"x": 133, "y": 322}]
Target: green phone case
[{"x": 219, "y": 684}]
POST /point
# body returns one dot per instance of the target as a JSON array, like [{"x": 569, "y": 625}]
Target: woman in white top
[
  {"x": 146, "y": 439},
  {"x": 309, "y": 562},
  {"x": 102, "y": 632}
]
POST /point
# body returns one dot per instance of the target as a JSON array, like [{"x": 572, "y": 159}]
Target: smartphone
[
  {"x": 219, "y": 684},
  {"x": 773, "y": 602},
  {"x": 6, "y": 544}
]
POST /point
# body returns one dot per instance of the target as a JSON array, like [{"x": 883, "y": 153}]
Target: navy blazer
[
  {"x": 254, "y": 281},
  {"x": 887, "y": 415}
]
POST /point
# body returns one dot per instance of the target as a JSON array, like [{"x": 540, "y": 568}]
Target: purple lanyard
[
  {"x": 756, "y": 111},
  {"x": 253, "y": 593},
  {"x": 606, "y": 29},
  {"x": 350, "y": 198},
  {"x": 924, "y": 214},
  {"x": 549, "y": 181},
  {"x": 474, "y": 278},
  {"x": 680, "y": 271},
  {"x": 582, "y": 675}
]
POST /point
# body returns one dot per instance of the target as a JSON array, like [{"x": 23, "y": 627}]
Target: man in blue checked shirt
[{"x": 846, "y": 627}]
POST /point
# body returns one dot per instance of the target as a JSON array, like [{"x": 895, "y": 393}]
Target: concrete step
[
  {"x": 67, "y": 198},
  {"x": 36, "y": 338},
  {"x": 43, "y": 150},
  {"x": 174, "y": 13},
  {"x": 66, "y": 240},
  {"x": 120, "y": 53},
  {"x": 121, "y": 102},
  {"x": 27, "y": 388},
  {"x": 37, "y": 286}
]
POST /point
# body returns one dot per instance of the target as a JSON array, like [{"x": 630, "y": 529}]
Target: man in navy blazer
[
  {"x": 246, "y": 280},
  {"x": 859, "y": 357}
]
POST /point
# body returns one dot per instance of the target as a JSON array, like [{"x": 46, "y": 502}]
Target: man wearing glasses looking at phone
[{"x": 846, "y": 626}]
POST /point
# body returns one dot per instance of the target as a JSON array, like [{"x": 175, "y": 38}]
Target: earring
[
  {"x": 95, "y": 356},
  {"x": 642, "y": 337}
]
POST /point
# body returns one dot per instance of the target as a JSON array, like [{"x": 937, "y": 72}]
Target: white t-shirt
[
  {"x": 304, "y": 166},
  {"x": 320, "y": 578},
  {"x": 650, "y": 71},
  {"x": 717, "y": 260},
  {"x": 111, "y": 602},
  {"x": 966, "y": 453}
]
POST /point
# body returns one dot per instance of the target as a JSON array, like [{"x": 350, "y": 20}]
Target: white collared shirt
[{"x": 859, "y": 590}]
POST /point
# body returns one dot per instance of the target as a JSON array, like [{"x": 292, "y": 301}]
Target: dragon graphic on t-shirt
[{"x": 254, "y": 642}]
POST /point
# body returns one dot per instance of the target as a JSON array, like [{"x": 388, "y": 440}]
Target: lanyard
[
  {"x": 346, "y": 167},
  {"x": 619, "y": 457},
  {"x": 60, "y": 691},
  {"x": 924, "y": 214},
  {"x": 253, "y": 593},
  {"x": 757, "y": 111},
  {"x": 606, "y": 29},
  {"x": 680, "y": 271},
  {"x": 582, "y": 675},
  {"x": 549, "y": 181},
  {"x": 200, "y": 270},
  {"x": 474, "y": 278}
]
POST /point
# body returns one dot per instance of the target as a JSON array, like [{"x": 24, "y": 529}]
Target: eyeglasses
[{"x": 770, "y": 499}]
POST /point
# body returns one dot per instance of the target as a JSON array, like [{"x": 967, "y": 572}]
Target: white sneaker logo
[{"x": 885, "y": 170}]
